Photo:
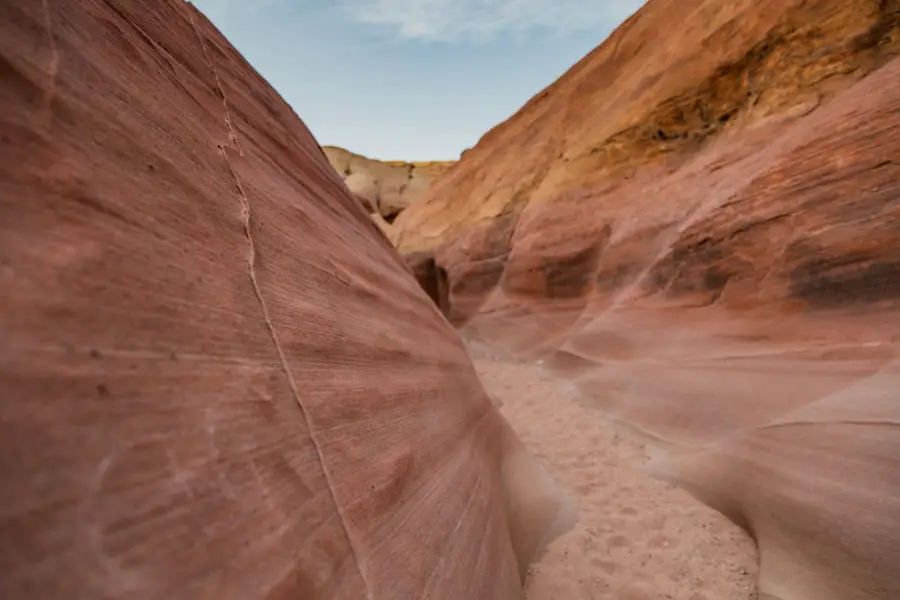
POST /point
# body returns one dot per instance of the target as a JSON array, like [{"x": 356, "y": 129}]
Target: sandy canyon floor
[{"x": 637, "y": 538}]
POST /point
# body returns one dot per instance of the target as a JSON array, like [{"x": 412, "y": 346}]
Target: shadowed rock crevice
[
  {"x": 432, "y": 277},
  {"x": 474, "y": 265},
  {"x": 849, "y": 280},
  {"x": 626, "y": 259},
  {"x": 564, "y": 270}
]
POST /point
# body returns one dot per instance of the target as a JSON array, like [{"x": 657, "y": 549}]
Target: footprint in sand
[
  {"x": 655, "y": 523},
  {"x": 585, "y": 489},
  {"x": 607, "y": 566},
  {"x": 599, "y": 441},
  {"x": 718, "y": 529}
]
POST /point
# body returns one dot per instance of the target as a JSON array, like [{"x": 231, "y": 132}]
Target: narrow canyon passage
[{"x": 636, "y": 538}]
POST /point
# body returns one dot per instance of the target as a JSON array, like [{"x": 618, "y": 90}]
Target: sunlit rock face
[
  {"x": 384, "y": 188},
  {"x": 701, "y": 230},
  {"x": 219, "y": 380}
]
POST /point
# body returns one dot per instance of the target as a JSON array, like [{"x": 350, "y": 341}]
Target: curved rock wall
[
  {"x": 702, "y": 233},
  {"x": 646, "y": 97},
  {"x": 219, "y": 379}
]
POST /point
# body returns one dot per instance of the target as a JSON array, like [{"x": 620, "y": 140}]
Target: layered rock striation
[
  {"x": 219, "y": 379},
  {"x": 701, "y": 231}
]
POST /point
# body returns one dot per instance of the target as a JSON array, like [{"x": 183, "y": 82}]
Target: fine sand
[{"x": 637, "y": 538}]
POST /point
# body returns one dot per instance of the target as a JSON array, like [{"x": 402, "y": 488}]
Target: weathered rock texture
[
  {"x": 702, "y": 232},
  {"x": 219, "y": 380},
  {"x": 384, "y": 188},
  {"x": 637, "y": 98}
]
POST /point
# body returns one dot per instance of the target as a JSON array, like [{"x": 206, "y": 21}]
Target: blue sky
[{"x": 412, "y": 79}]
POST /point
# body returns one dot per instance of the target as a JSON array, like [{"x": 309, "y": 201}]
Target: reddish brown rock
[
  {"x": 552, "y": 259},
  {"x": 637, "y": 99},
  {"x": 702, "y": 233},
  {"x": 219, "y": 379},
  {"x": 474, "y": 264}
]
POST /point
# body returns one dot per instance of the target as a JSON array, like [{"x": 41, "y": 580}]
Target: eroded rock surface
[
  {"x": 384, "y": 187},
  {"x": 637, "y": 99},
  {"x": 219, "y": 379},
  {"x": 702, "y": 233}
]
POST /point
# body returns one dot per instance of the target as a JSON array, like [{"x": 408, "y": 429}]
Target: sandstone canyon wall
[
  {"x": 385, "y": 188},
  {"x": 218, "y": 378},
  {"x": 699, "y": 226}
]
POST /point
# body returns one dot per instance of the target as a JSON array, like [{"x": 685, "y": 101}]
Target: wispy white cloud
[{"x": 458, "y": 20}]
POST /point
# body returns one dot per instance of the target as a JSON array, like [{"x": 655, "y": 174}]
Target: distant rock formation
[{"x": 385, "y": 188}]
